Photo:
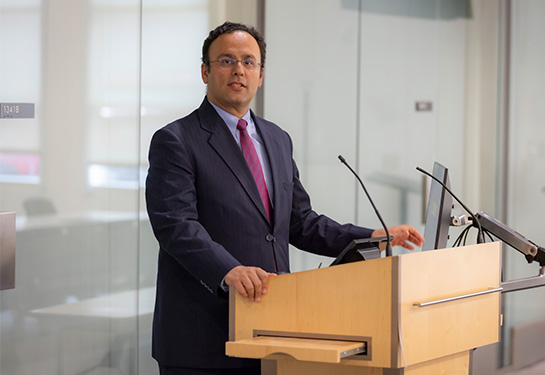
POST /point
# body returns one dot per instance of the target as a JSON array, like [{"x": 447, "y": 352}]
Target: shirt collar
[{"x": 230, "y": 119}]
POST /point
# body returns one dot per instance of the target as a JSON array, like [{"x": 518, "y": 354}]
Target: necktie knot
[{"x": 242, "y": 124}]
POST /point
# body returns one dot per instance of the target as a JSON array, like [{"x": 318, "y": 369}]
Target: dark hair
[{"x": 231, "y": 27}]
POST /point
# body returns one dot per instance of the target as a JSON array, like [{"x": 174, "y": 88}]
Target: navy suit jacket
[{"x": 208, "y": 217}]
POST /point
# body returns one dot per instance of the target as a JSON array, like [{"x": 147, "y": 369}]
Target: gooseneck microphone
[
  {"x": 476, "y": 222},
  {"x": 388, "y": 245}
]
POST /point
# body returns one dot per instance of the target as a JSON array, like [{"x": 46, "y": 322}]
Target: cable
[
  {"x": 461, "y": 236},
  {"x": 480, "y": 237}
]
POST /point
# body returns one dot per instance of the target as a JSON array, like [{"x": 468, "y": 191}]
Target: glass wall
[
  {"x": 355, "y": 81},
  {"x": 72, "y": 176},
  {"x": 171, "y": 87},
  {"x": 351, "y": 81},
  {"x": 103, "y": 75},
  {"x": 20, "y": 156},
  {"x": 525, "y": 310}
]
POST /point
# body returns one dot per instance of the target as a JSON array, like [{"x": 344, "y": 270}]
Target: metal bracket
[{"x": 527, "y": 283}]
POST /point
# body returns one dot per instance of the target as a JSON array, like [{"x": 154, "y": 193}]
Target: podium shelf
[{"x": 302, "y": 349}]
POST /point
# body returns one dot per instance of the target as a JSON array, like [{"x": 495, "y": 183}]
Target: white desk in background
[
  {"x": 24, "y": 223},
  {"x": 122, "y": 305},
  {"x": 126, "y": 304}
]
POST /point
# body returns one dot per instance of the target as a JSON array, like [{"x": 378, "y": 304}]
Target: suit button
[{"x": 269, "y": 237}]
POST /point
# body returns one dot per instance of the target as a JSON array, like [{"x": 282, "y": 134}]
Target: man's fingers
[
  {"x": 240, "y": 288},
  {"x": 263, "y": 279},
  {"x": 407, "y": 246},
  {"x": 250, "y": 282},
  {"x": 404, "y": 233},
  {"x": 265, "y": 287},
  {"x": 255, "y": 284},
  {"x": 251, "y": 288}
]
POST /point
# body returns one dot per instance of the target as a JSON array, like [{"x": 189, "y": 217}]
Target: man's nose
[{"x": 238, "y": 69}]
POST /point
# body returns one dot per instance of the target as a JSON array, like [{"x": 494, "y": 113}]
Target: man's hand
[
  {"x": 250, "y": 282},
  {"x": 403, "y": 234}
]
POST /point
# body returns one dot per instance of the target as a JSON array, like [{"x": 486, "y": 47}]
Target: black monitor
[
  {"x": 439, "y": 212},
  {"x": 361, "y": 249}
]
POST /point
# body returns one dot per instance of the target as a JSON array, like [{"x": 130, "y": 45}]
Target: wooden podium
[{"x": 417, "y": 313}]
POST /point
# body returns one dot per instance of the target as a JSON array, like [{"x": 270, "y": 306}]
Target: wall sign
[{"x": 16, "y": 110}]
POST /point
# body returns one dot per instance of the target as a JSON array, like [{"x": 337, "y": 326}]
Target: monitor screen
[{"x": 438, "y": 216}]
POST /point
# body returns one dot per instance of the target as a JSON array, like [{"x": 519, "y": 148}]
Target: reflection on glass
[
  {"x": 20, "y": 167},
  {"x": 117, "y": 177}
]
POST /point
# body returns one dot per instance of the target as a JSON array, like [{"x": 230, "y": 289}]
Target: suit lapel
[{"x": 222, "y": 141}]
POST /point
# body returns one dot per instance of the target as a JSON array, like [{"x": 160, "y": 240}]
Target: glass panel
[
  {"x": 355, "y": 93},
  {"x": 411, "y": 52},
  {"x": 310, "y": 91},
  {"x": 86, "y": 255},
  {"x": 20, "y": 26},
  {"x": 74, "y": 308},
  {"x": 172, "y": 36},
  {"x": 526, "y": 161}
]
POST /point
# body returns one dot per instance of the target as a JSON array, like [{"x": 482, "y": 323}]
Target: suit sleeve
[{"x": 171, "y": 200}]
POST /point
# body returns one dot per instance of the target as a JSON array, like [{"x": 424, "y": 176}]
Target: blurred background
[{"x": 389, "y": 84}]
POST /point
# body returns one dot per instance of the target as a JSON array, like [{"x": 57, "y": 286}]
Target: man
[{"x": 225, "y": 200}]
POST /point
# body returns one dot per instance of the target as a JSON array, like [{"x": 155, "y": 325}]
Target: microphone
[
  {"x": 477, "y": 223},
  {"x": 388, "y": 245}
]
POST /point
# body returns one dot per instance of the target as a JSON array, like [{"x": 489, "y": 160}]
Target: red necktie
[{"x": 250, "y": 154}]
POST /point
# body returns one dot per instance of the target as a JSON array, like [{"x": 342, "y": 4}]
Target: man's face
[{"x": 233, "y": 88}]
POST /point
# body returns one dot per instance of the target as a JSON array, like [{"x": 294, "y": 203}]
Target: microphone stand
[{"x": 388, "y": 245}]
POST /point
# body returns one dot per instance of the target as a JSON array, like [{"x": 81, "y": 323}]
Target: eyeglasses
[{"x": 229, "y": 63}]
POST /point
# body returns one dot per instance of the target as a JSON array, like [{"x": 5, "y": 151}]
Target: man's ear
[
  {"x": 204, "y": 73},
  {"x": 261, "y": 76}
]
